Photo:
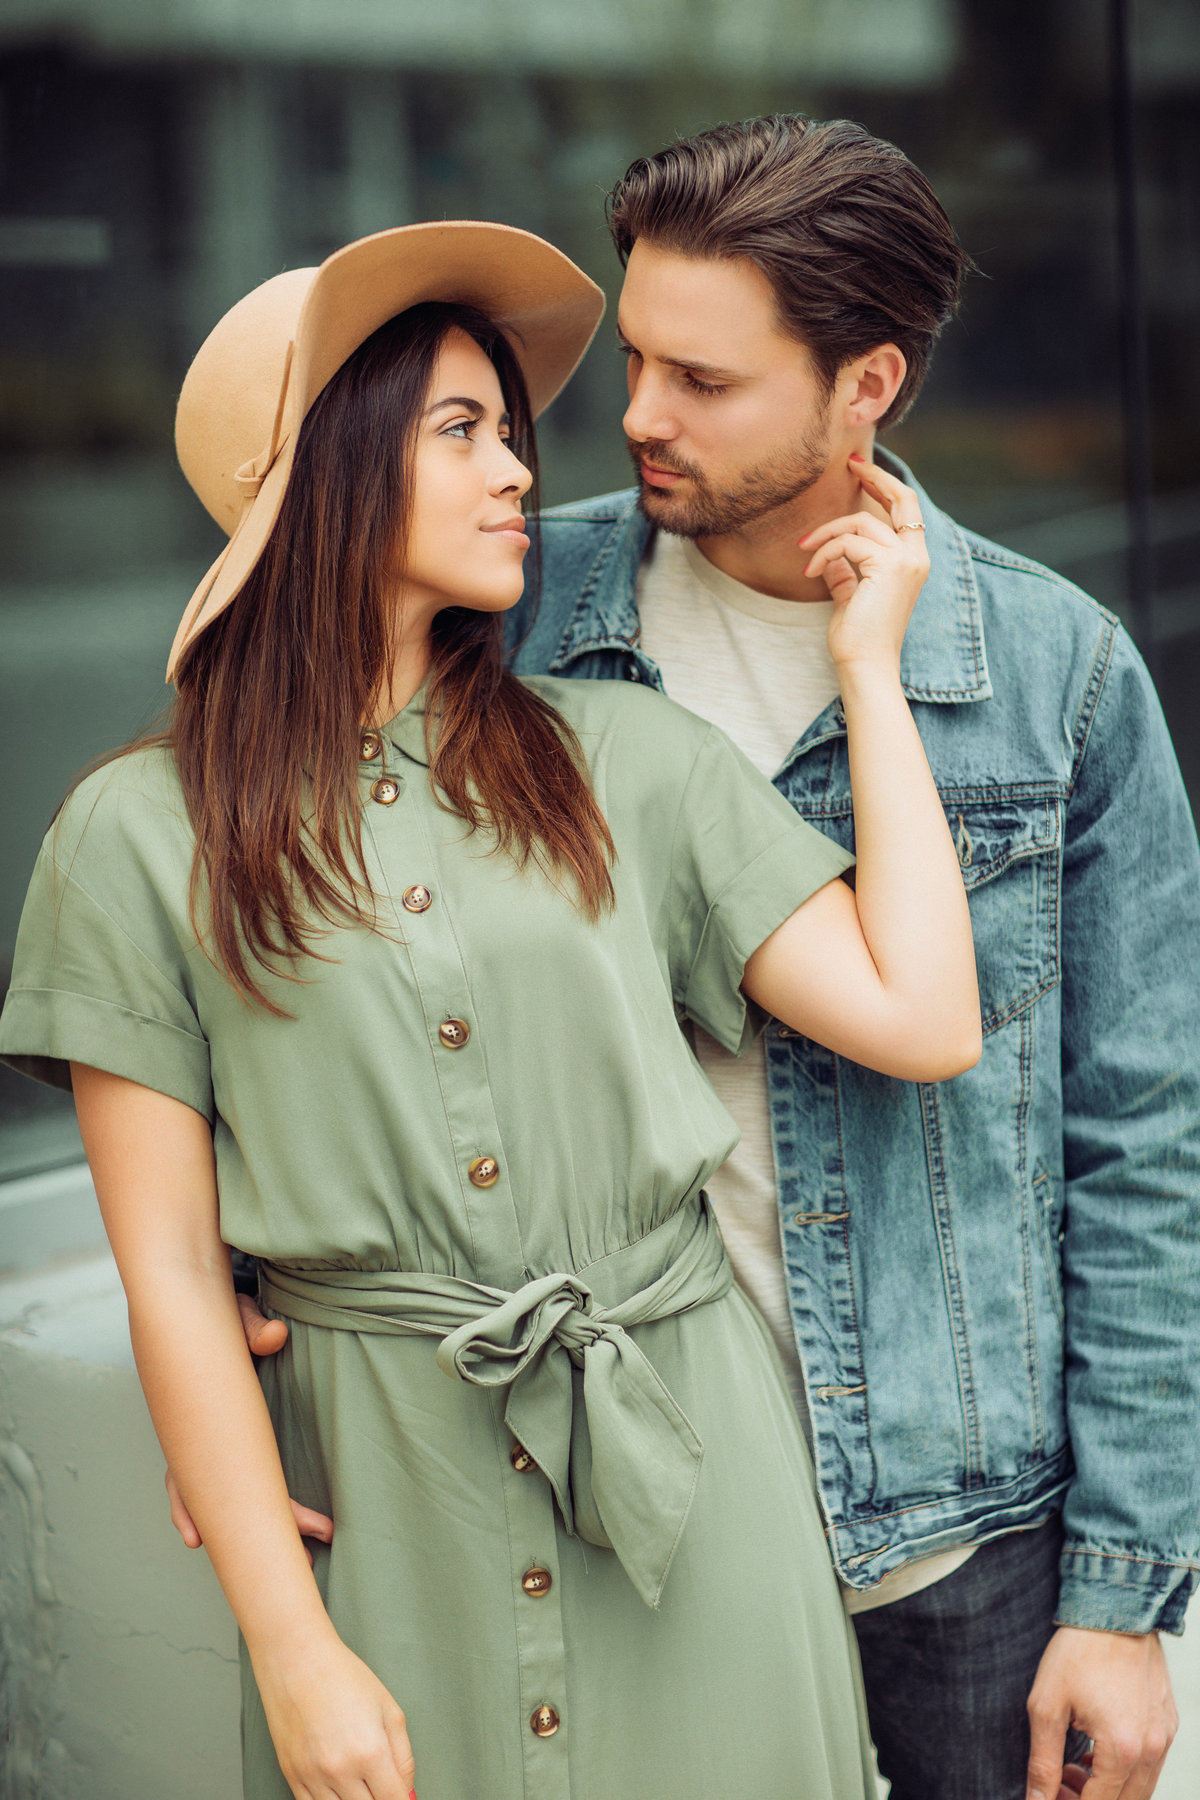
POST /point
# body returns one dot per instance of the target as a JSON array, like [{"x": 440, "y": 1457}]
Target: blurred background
[{"x": 158, "y": 158}]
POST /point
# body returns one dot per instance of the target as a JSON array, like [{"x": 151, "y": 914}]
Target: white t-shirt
[{"x": 759, "y": 668}]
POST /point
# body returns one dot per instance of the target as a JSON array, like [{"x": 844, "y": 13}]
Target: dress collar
[{"x": 406, "y": 732}]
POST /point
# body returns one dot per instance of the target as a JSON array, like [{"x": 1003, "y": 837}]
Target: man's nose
[{"x": 648, "y": 418}]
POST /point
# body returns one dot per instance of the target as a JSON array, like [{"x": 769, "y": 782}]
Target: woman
[{"x": 373, "y": 966}]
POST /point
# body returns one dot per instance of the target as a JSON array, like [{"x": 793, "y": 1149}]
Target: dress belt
[{"x": 620, "y": 1455}]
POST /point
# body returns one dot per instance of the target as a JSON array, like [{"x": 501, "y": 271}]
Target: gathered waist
[{"x": 620, "y": 1455}]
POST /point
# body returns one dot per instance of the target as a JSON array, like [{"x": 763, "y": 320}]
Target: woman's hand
[
  {"x": 338, "y": 1733},
  {"x": 874, "y": 570},
  {"x": 885, "y": 974}
]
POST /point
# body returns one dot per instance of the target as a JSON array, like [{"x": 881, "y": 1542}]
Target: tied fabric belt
[{"x": 619, "y": 1454}]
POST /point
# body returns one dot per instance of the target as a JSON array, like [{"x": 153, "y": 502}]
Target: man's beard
[{"x": 701, "y": 510}]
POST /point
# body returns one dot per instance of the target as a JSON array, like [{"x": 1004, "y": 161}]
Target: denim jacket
[{"x": 994, "y": 1280}]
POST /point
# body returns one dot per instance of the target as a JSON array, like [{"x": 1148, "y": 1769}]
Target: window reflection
[{"x": 155, "y": 163}]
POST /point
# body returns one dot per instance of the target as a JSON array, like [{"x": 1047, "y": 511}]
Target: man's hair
[{"x": 850, "y": 235}]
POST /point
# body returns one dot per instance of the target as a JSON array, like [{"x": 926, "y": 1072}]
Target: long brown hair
[{"x": 271, "y": 697}]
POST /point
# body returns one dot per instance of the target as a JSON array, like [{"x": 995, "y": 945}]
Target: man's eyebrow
[{"x": 708, "y": 370}]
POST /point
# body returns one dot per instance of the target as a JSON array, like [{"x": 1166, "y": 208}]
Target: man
[{"x": 983, "y": 1291}]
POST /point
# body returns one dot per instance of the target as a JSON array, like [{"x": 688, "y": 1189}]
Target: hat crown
[{"x": 231, "y": 394}]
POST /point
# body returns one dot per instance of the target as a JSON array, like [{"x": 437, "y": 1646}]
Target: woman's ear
[{"x": 867, "y": 386}]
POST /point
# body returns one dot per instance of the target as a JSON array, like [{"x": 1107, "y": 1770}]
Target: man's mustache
[{"x": 661, "y": 457}]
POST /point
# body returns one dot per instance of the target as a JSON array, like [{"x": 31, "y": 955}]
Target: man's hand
[
  {"x": 265, "y": 1337},
  {"x": 1117, "y": 1690}
]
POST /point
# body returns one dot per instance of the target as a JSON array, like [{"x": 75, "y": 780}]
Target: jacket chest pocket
[{"x": 1009, "y": 854}]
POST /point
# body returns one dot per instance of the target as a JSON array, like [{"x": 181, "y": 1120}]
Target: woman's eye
[{"x": 463, "y": 428}]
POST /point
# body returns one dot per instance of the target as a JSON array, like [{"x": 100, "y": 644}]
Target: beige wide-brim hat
[{"x": 259, "y": 370}]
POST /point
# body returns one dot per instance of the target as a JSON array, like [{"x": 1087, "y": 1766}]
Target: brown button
[
  {"x": 454, "y": 1033},
  {"x": 484, "y": 1171},
  {"x": 385, "y": 790},
  {"x": 544, "y": 1722},
  {"x": 537, "y": 1582},
  {"x": 520, "y": 1459},
  {"x": 414, "y": 899},
  {"x": 369, "y": 746}
]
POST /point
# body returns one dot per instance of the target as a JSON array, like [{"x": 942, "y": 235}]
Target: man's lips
[{"x": 662, "y": 478}]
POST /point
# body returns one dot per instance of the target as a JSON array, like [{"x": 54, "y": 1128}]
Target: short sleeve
[
  {"x": 742, "y": 861},
  {"x": 99, "y": 974}
]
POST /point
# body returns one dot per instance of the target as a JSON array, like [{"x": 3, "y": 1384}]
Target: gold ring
[{"x": 909, "y": 528}]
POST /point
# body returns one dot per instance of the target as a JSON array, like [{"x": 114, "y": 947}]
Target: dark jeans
[{"x": 948, "y": 1672}]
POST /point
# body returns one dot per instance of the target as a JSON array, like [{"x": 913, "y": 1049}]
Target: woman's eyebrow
[{"x": 475, "y": 407}]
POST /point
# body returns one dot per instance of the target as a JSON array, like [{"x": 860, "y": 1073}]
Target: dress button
[
  {"x": 369, "y": 746},
  {"x": 484, "y": 1171},
  {"x": 414, "y": 899},
  {"x": 454, "y": 1033},
  {"x": 385, "y": 790},
  {"x": 537, "y": 1582},
  {"x": 544, "y": 1722},
  {"x": 520, "y": 1459}
]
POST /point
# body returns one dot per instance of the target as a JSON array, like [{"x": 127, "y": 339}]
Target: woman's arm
[
  {"x": 883, "y": 974},
  {"x": 334, "y": 1724}
]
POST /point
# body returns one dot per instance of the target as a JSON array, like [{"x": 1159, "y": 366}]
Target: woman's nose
[{"x": 510, "y": 475}]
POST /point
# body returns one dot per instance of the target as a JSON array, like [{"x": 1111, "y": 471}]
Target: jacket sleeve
[{"x": 1131, "y": 1131}]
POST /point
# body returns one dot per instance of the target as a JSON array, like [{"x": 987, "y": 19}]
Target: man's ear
[{"x": 867, "y": 386}]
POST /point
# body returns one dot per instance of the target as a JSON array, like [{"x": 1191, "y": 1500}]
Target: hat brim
[{"x": 547, "y": 307}]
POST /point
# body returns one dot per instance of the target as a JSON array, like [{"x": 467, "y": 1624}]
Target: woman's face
[{"x": 466, "y": 539}]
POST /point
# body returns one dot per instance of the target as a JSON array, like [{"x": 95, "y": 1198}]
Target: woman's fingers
[
  {"x": 854, "y": 547},
  {"x": 863, "y": 523},
  {"x": 901, "y": 502}
]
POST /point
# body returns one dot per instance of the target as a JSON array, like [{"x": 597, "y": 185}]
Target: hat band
[{"x": 250, "y": 477}]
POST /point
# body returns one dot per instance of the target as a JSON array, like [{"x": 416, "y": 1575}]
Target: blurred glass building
[{"x": 160, "y": 157}]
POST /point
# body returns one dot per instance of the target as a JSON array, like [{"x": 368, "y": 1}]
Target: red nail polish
[
  {"x": 805, "y": 538},
  {"x": 855, "y": 457}
]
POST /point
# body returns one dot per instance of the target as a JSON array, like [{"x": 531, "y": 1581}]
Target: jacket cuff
[{"x": 1106, "y": 1590}]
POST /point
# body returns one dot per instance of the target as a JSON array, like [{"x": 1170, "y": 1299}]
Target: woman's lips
[
  {"x": 513, "y": 533},
  {"x": 662, "y": 478}
]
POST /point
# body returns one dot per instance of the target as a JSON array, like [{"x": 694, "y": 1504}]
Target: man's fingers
[
  {"x": 312, "y": 1524},
  {"x": 1047, "y": 1743},
  {"x": 264, "y": 1336},
  {"x": 1113, "y": 1763},
  {"x": 181, "y": 1518}
]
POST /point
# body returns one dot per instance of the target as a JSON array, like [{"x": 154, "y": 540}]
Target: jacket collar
[{"x": 943, "y": 660}]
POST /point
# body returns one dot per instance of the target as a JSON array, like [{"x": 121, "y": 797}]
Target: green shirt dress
[{"x": 577, "y": 1533}]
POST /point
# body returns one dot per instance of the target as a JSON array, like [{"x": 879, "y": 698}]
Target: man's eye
[
  {"x": 628, "y": 350},
  {"x": 701, "y": 387}
]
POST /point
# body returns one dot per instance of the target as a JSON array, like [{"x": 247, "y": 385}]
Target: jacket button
[
  {"x": 369, "y": 746},
  {"x": 454, "y": 1033},
  {"x": 520, "y": 1459},
  {"x": 537, "y": 1582},
  {"x": 413, "y": 899},
  {"x": 484, "y": 1172},
  {"x": 544, "y": 1722},
  {"x": 385, "y": 790}
]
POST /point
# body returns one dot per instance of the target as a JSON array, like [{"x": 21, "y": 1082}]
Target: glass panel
[{"x": 156, "y": 162}]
